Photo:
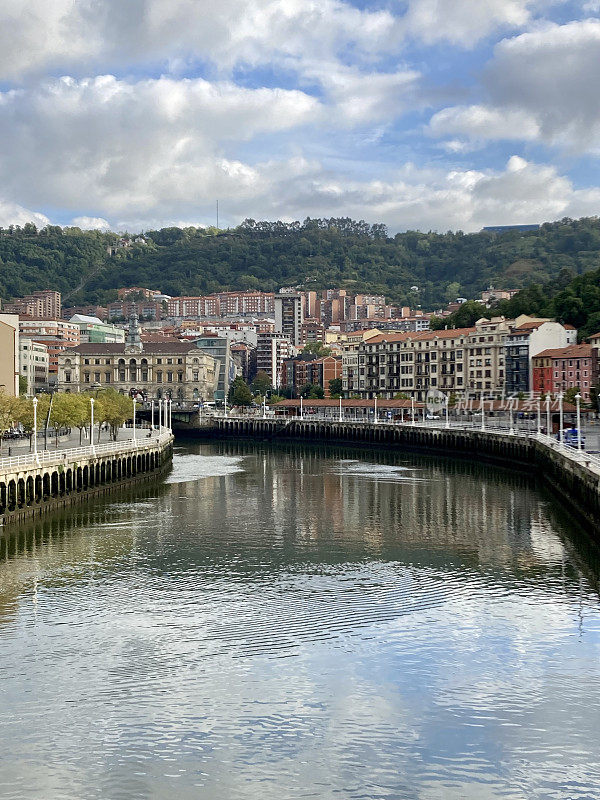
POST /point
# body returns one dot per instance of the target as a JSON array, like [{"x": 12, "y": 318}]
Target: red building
[{"x": 572, "y": 367}]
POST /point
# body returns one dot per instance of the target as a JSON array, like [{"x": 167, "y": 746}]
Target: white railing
[{"x": 52, "y": 457}]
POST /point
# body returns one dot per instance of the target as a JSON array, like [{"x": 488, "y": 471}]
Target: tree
[
  {"x": 569, "y": 395},
  {"x": 113, "y": 409},
  {"x": 80, "y": 413},
  {"x": 318, "y": 348},
  {"x": 22, "y": 384},
  {"x": 401, "y": 396},
  {"x": 239, "y": 392},
  {"x": 335, "y": 387},
  {"x": 10, "y": 409},
  {"x": 261, "y": 383},
  {"x": 312, "y": 391},
  {"x": 62, "y": 415}
]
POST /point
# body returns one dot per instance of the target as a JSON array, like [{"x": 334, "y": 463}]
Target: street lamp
[
  {"x": 560, "y": 413},
  {"x": 152, "y": 411},
  {"x": 539, "y": 417},
  {"x": 92, "y": 422},
  {"x": 35, "y": 403},
  {"x": 446, "y": 402},
  {"x": 482, "y": 414},
  {"x": 264, "y": 406},
  {"x": 340, "y": 408},
  {"x": 578, "y": 401},
  {"x": 301, "y": 408},
  {"x": 375, "y": 410},
  {"x": 548, "y": 421},
  {"x": 412, "y": 410},
  {"x": 134, "y": 402},
  {"x": 511, "y": 403}
]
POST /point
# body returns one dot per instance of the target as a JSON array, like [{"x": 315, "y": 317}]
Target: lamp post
[
  {"x": 578, "y": 401},
  {"x": 511, "y": 402},
  {"x": 560, "y": 416},
  {"x": 375, "y": 410},
  {"x": 152, "y": 407},
  {"x": 482, "y": 414},
  {"x": 301, "y": 408},
  {"x": 340, "y": 408},
  {"x": 170, "y": 413},
  {"x": 446, "y": 403},
  {"x": 134, "y": 402},
  {"x": 548, "y": 420},
  {"x": 264, "y": 406},
  {"x": 539, "y": 417},
  {"x": 412, "y": 410},
  {"x": 92, "y": 423},
  {"x": 35, "y": 452}
]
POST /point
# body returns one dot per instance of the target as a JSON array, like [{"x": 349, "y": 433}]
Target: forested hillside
[{"x": 315, "y": 254}]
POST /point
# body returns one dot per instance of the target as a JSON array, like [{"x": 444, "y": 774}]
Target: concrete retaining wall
[
  {"x": 578, "y": 484},
  {"x": 33, "y": 491}
]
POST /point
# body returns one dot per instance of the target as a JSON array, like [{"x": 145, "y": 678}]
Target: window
[
  {"x": 169, "y": 377},
  {"x": 159, "y": 376},
  {"x": 86, "y": 361},
  {"x": 86, "y": 377},
  {"x": 96, "y": 377},
  {"x": 107, "y": 377},
  {"x": 96, "y": 361},
  {"x": 67, "y": 377},
  {"x": 122, "y": 376},
  {"x": 159, "y": 360}
]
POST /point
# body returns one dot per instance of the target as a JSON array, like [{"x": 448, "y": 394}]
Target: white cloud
[
  {"x": 542, "y": 85},
  {"x": 124, "y": 146},
  {"x": 91, "y": 223},
  {"x": 14, "y": 214},
  {"x": 464, "y": 22},
  {"x": 479, "y": 123},
  {"x": 42, "y": 35}
]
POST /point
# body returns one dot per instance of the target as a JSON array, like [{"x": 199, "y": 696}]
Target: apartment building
[
  {"x": 289, "y": 315},
  {"x": 219, "y": 348},
  {"x": 39, "y": 305},
  {"x": 271, "y": 351},
  {"x": 145, "y": 309},
  {"x": 572, "y": 367},
  {"x": 486, "y": 367},
  {"x": 56, "y": 334},
  {"x": 528, "y": 337},
  {"x": 33, "y": 365}
]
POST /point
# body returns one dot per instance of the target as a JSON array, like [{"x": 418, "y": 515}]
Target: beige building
[
  {"x": 33, "y": 364},
  {"x": 169, "y": 368},
  {"x": 9, "y": 354}
]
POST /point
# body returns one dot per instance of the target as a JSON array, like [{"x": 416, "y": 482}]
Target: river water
[{"x": 294, "y": 623}]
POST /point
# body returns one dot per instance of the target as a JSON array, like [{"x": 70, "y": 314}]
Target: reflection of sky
[{"x": 174, "y": 650}]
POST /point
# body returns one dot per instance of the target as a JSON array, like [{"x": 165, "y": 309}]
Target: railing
[
  {"x": 589, "y": 460},
  {"x": 51, "y": 457}
]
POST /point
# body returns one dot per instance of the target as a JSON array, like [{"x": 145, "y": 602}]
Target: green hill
[{"x": 315, "y": 254}]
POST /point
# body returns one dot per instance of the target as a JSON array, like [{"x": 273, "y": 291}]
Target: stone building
[{"x": 169, "y": 368}]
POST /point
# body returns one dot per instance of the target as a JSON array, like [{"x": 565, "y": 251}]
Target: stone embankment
[
  {"x": 574, "y": 475},
  {"x": 31, "y": 485}
]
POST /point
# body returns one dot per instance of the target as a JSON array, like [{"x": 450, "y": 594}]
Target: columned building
[{"x": 170, "y": 368}]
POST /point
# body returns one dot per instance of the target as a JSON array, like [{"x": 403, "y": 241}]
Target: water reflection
[{"x": 284, "y": 622}]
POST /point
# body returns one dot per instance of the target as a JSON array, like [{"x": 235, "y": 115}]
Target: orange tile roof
[{"x": 571, "y": 351}]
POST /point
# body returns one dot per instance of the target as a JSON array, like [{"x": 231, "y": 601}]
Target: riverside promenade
[
  {"x": 34, "y": 483},
  {"x": 572, "y": 473}
]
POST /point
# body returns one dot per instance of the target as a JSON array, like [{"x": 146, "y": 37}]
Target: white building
[
  {"x": 34, "y": 364},
  {"x": 289, "y": 315}
]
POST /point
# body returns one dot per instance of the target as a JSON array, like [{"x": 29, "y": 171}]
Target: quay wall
[
  {"x": 32, "y": 490},
  {"x": 577, "y": 483}
]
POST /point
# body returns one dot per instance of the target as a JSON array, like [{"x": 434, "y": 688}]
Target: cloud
[
  {"x": 122, "y": 146},
  {"x": 463, "y": 22},
  {"x": 14, "y": 214},
  {"x": 410, "y": 197},
  {"x": 39, "y": 35},
  {"x": 91, "y": 223},
  {"x": 542, "y": 86}
]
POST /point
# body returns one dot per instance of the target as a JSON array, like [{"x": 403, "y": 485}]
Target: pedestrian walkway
[{"x": 19, "y": 447}]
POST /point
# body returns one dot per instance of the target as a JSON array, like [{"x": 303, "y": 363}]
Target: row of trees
[
  {"x": 60, "y": 411},
  {"x": 315, "y": 253}
]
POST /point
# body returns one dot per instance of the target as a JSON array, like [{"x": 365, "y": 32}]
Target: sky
[{"x": 421, "y": 114}]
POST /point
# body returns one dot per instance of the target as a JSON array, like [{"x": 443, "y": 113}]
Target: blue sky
[{"x": 427, "y": 114}]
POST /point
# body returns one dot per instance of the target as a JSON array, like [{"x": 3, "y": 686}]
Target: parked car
[{"x": 571, "y": 437}]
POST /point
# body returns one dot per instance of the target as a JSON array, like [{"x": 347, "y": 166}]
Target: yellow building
[{"x": 9, "y": 354}]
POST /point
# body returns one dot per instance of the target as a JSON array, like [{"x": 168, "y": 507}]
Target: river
[{"x": 290, "y": 622}]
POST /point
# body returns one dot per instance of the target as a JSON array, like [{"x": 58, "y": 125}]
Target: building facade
[
  {"x": 56, "y": 334},
  {"x": 572, "y": 367},
  {"x": 289, "y": 315},
  {"x": 33, "y": 365},
  {"x": 9, "y": 354}
]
